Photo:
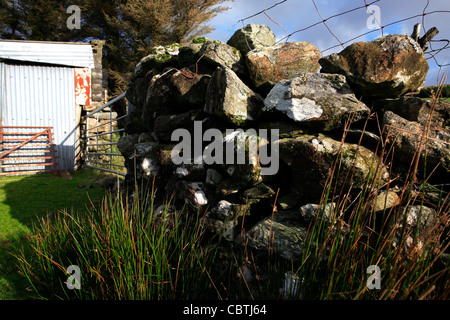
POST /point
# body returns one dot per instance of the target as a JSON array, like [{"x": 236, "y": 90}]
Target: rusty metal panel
[
  {"x": 56, "y": 53},
  {"x": 83, "y": 86},
  {"x": 42, "y": 96}
]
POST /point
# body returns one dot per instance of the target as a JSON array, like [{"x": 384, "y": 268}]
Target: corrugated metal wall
[{"x": 35, "y": 95}]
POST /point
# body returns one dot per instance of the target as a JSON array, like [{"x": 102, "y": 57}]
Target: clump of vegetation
[{"x": 430, "y": 92}]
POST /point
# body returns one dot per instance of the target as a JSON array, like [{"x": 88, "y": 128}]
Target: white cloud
[{"x": 294, "y": 15}]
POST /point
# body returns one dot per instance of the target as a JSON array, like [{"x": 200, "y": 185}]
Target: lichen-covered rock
[
  {"x": 161, "y": 57},
  {"x": 229, "y": 98},
  {"x": 285, "y": 234},
  {"x": 221, "y": 54},
  {"x": 389, "y": 66},
  {"x": 270, "y": 65},
  {"x": 407, "y": 136},
  {"x": 321, "y": 101},
  {"x": 312, "y": 158},
  {"x": 252, "y": 36},
  {"x": 188, "y": 54},
  {"x": 176, "y": 91}
]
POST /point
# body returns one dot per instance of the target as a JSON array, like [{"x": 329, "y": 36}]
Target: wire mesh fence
[{"x": 342, "y": 23}]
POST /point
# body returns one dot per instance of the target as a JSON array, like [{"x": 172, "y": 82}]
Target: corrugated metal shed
[
  {"x": 56, "y": 53},
  {"x": 37, "y": 88},
  {"x": 42, "y": 96}
]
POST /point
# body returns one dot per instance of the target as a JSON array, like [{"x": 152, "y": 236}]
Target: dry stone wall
[{"x": 189, "y": 103}]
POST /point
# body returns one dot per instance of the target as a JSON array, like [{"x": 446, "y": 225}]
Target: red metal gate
[{"x": 26, "y": 150}]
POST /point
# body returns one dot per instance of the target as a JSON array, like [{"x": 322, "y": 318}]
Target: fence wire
[{"x": 438, "y": 49}]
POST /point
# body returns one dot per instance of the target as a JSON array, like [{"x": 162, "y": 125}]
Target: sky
[{"x": 292, "y": 15}]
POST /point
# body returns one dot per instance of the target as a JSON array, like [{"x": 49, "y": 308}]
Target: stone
[
  {"x": 164, "y": 213},
  {"x": 226, "y": 211},
  {"x": 386, "y": 67},
  {"x": 260, "y": 191},
  {"x": 126, "y": 145},
  {"x": 366, "y": 138},
  {"x": 191, "y": 193},
  {"x": 270, "y": 65},
  {"x": 406, "y": 138},
  {"x": 418, "y": 110},
  {"x": 191, "y": 172},
  {"x": 413, "y": 221},
  {"x": 223, "y": 210},
  {"x": 321, "y": 101},
  {"x": 385, "y": 201},
  {"x": 219, "y": 54},
  {"x": 188, "y": 54},
  {"x": 229, "y": 98},
  {"x": 147, "y": 158},
  {"x": 311, "y": 159},
  {"x": 312, "y": 211},
  {"x": 161, "y": 57},
  {"x": 175, "y": 91},
  {"x": 213, "y": 177},
  {"x": 245, "y": 171},
  {"x": 288, "y": 201},
  {"x": 252, "y": 36},
  {"x": 225, "y": 229},
  {"x": 284, "y": 234},
  {"x": 165, "y": 125}
]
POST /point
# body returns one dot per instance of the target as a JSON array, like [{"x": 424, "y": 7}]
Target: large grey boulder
[
  {"x": 218, "y": 53},
  {"x": 408, "y": 136},
  {"x": 174, "y": 91},
  {"x": 229, "y": 98},
  {"x": 389, "y": 66},
  {"x": 322, "y": 101},
  {"x": 252, "y": 36},
  {"x": 312, "y": 158},
  {"x": 270, "y": 65}
]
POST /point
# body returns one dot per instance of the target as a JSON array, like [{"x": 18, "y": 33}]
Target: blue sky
[{"x": 297, "y": 14}]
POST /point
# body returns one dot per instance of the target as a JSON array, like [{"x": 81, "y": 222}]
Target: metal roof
[{"x": 55, "y": 53}]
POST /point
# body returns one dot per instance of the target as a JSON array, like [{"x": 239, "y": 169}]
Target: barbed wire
[{"x": 436, "y": 46}]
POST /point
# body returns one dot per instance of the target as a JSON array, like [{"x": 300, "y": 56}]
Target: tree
[{"x": 130, "y": 27}]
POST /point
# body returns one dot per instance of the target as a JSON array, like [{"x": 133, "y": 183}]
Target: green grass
[{"x": 25, "y": 199}]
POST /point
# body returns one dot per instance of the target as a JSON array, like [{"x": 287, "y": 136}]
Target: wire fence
[{"x": 438, "y": 50}]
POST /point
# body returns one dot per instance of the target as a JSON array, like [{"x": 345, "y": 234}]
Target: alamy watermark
[
  {"x": 374, "y": 281},
  {"x": 374, "y": 21},
  {"x": 249, "y": 143},
  {"x": 74, "y": 281},
  {"x": 74, "y": 21}
]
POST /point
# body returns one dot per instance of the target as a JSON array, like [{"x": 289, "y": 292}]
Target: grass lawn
[{"x": 24, "y": 199}]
